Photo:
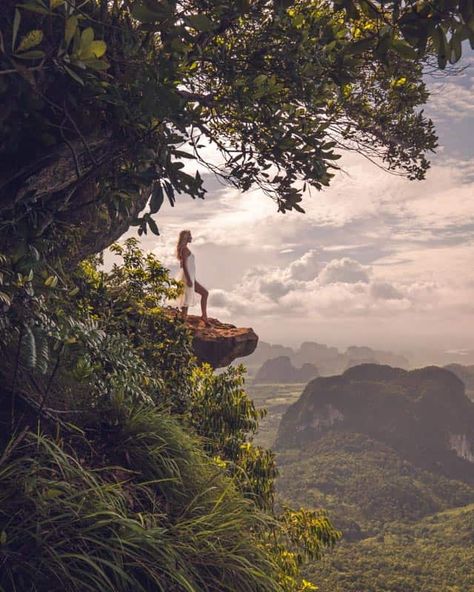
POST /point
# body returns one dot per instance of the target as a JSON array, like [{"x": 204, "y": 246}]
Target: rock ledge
[{"x": 219, "y": 344}]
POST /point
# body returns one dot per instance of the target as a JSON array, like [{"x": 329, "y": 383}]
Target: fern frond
[
  {"x": 28, "y": 347},
  {"x": 42, "y": 353}
]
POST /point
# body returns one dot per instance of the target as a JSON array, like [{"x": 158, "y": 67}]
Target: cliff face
[
  {"x": 281, "y": 370},
  {"x": 423, "y": 414},
  {"x": 219, "y": 344}
]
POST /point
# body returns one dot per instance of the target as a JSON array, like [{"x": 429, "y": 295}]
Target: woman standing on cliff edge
[{"x": 187, "y": 275}]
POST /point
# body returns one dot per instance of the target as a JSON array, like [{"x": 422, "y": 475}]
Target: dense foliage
[
  {"x": 104, "y": 102},
  {"x": 124, "y": 465}
]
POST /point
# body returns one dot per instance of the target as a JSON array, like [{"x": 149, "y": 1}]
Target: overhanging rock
[{"x": 219, "y": 344}]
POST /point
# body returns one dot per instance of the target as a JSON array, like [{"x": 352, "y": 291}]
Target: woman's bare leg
[{"x": 201, "y": 290}]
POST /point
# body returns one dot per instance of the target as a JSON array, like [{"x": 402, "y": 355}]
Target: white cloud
[
  {"x": 385, "y": 291},
  {"x": 375, "y": 257},
  {"x": 306, "y": 267},
  {"x": 344, "y": 270},
  {"x": 451, "y": 97},
  {"x": 343, "y": 287}
]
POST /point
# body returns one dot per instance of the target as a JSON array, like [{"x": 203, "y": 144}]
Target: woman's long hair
[{"x": 182, "y": 242}]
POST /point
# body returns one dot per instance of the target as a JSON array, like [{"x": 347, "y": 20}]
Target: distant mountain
[
  {"x": 328, "y": 360},
  {"x": 267, "y": 351},
  {"x": 464, "y": 357},
  {"x": 423, "y": 415},
  {"x": 356, "y": 355},
  {"x": 281, "y": 370}
]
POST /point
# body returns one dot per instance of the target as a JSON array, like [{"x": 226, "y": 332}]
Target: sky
[{"x": 376, "y": 260}]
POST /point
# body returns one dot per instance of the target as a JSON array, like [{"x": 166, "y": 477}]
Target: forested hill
[
  {"x": 389, "y": 454},
  {"x": 423, "y": 414}
]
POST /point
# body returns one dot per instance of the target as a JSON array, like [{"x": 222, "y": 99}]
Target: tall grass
[{"x": 155, "y": 517}]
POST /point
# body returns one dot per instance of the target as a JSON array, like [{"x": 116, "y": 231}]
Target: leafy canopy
[{"x": 104, "y": 102}]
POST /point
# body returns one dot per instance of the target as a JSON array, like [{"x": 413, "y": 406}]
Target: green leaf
[
  {"x": 73, "y": 75},
  {"x": 331, "y": 156},
  {"x": 153, "y": 226},
  {"x": 16, "y": 26},
  {"x": 359, "y": 47},
  {"x": 144, "y": 14},
  {"x": 3, "y": 537},
  {"x": 30, "y": 40},
  {"x": 200, "y": 22},
  {"x": 34, "y": 54},
  {"x": 87, "y": 37},
  {"x": 441, "y": 44},
  {"x": 455, "y": 48},
  {"x": 98, "y": 65},
  {"x": 170, "y": 193},
  {"x": 70, "y": 29},
  {"x": 52, "y": 493},
  {"x": 260, "y": 79},
  {"x": 404, "y": 49},
  {"x": 98, "y": 48},
  {"x": 5, "y": 298},
  {"x": 51, "y": 281},
  {"x": 157, "y": 198}
]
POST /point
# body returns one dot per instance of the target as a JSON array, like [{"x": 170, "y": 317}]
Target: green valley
[
  {"x": 406, "y": 527},
  {"x": 433, "y": 554}
]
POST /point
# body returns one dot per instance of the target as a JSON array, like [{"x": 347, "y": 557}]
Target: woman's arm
[{"x": 185, "y": 269}]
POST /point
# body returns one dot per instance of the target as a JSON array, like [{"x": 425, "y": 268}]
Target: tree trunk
[{"x": 61, "y": 191}]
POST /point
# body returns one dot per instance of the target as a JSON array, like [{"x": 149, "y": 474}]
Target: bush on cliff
[{"x": 124, "y": 465}]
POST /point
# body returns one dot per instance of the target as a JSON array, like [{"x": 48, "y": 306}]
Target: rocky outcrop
[
  {"x": 424, "y": 415},
  {"x": 219, "y": 344},
  {"x": 281, "y": 370}
]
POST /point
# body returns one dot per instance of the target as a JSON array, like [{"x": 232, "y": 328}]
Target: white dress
[{"x": 187, "y": 298}]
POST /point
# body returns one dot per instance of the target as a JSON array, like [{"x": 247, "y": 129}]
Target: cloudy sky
[{"x": 376, "y": 260}]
